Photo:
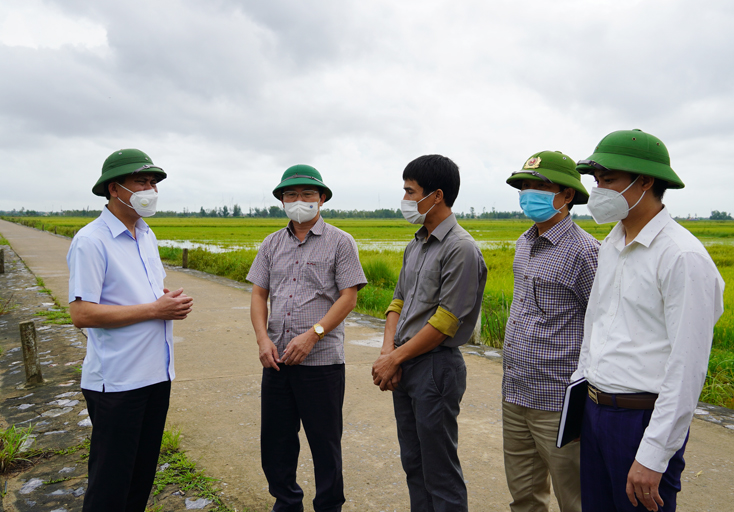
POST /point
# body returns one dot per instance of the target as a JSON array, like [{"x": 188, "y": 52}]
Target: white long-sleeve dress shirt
[{"x": 649, "y": 327}]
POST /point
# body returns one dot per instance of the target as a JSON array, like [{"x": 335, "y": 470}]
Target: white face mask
[
  {"x": 607, "y": 205},
  {"x": 301, "y": 211},
  {"x": 144, "y": 203},
  {"x": 410, "y": 211}
]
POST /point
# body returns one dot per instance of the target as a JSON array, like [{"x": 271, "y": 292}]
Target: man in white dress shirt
[
  {"x": 648, "y": 331},
  {"x": 116, "y": 291}
]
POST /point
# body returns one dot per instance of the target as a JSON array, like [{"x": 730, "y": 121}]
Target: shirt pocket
[
  {"x": 547, "y": 296},
  {"x": 428, "y": 289},
  {"x": 316, "y": 274}
]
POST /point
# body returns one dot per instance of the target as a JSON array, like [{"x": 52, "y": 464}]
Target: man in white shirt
[
  {"x": 116, "y": 292},
  {"x": 647, "y": 334}
]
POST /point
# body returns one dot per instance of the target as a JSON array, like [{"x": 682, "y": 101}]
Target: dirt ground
[{"x": 216, "y": 403}]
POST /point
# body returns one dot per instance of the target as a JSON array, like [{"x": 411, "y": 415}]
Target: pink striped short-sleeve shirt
[{"x": 304, "y": 280}]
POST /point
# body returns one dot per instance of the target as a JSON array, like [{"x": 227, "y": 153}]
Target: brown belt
[{"x": 625, "y": 400}]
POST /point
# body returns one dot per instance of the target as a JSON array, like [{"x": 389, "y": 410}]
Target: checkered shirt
[
  {"x": 304, "y": 280},
  {"x": 553, "y": 277}
]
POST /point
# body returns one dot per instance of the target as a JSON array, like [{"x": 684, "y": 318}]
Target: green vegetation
[
  {"x": 3, "y": 241},
  {"x": 182, "y": 472},
  {"x": 11, "y": 441},
  {"x": 6, "y": 305},
  {"x": 381, "y": 242},
  {"x": 58, "y": 314}
]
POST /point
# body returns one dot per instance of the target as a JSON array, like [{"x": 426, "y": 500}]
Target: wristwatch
[{"x": 319, "y": 330}]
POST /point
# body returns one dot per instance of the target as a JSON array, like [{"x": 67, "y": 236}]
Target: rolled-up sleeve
[
  {"x": 461, "y": 277},
  {"x": 87, "y": 263}
]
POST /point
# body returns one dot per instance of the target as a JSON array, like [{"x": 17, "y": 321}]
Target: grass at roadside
[
  {"x": 58, "y": 314},
  {"x": 3, "y": 241},
  {"x": 11, "y": 442},
  {"x": 181, "y": 472}
]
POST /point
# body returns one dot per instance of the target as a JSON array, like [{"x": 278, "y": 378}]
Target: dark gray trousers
[{"x": 426, "y": 405}]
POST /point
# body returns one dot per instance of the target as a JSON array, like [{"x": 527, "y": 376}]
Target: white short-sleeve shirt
[{"x": 108, "y": 266}]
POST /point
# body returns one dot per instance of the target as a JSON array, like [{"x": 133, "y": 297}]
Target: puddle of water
[
  {"x": 362, "y": 244},
  {"x": 375, "y": 342}
]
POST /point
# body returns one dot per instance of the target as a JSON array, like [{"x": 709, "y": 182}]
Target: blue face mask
[{"x": 538, "y": 204}]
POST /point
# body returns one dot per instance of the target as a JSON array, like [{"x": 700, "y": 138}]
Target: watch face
[{"x": 319, "y": 329}]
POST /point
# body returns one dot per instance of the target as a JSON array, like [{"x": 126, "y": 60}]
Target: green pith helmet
[
  {"x": 556, "y": 168},
  {"x": 300, "y": 175},
  {"x": 632, "y": 151},
  {"x": 123, "y": 162}
]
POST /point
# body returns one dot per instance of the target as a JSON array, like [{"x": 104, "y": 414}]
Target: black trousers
[
  {"x": 313, "y": 395},
  {"x": 127, "y": 428},
  {"x": 427, "y": 405}
]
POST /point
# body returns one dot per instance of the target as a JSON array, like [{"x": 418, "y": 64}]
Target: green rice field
[{"x": 227, "y": 247}]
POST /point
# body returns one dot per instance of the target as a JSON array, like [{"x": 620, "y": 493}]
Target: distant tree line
[
  {"x": 278, "y": 212},
  {"x": 717, "y": 215}
]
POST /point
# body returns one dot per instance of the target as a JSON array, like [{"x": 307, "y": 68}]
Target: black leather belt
[{"x": 623, "y": 400}]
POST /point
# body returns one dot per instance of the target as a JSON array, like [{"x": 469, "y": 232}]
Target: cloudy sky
[{"x": 226, "y": 94}]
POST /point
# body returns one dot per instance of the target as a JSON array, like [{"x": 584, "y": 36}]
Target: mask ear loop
[
  {"x": 123, "y": 202},
  {"x": 640, "y": 199}
]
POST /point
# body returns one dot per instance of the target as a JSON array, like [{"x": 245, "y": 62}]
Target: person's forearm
[
  {"x": 259, "y": 316},
  {"x": 391, "y": 325},
  {"x": 339, "y": 310},
  {"x": 91, "y": 315},
  {"x": 426, "y": 340}
]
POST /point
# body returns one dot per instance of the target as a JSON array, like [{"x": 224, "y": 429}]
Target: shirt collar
[
  {"x": 316, "y": 229},
  {"x": 646, "y": 235},
  {"x": 554, "y": 234},
  {"x": 653, "y": 228},
  {"x": 441, "y": 230},
  {"x": 117, "y": 227}
]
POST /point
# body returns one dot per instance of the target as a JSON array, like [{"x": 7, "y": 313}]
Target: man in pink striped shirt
[{"x": 311, "y": 272}]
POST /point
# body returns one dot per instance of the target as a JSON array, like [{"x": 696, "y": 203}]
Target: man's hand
[
  {"x": 642, "y": 484},
  {"x": 268, "y": 354},
  {"x": 300, "y": 347},
  {"x": 384, "y": 371},
  {"x": 174, "y": 305}
]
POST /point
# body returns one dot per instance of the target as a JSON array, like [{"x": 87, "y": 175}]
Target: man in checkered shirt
[
  {"x": 311, "y": 272},
  {"x": 554, "y": 268}
]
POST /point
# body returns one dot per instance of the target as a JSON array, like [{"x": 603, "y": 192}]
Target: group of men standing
[{"x": 633, "y": 315}]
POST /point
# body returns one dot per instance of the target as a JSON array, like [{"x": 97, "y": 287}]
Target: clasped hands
[{"x": 386, "y": 372}]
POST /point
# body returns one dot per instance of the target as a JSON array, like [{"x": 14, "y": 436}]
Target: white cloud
[
  {"x": 36, "y": 24},
  {"x": 226, "y": 94}
]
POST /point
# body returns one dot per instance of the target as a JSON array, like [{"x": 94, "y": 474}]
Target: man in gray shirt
[{"x": 435, "y": 307}]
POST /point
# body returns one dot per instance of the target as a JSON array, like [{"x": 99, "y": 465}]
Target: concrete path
[{"x": 216, "y": 401}]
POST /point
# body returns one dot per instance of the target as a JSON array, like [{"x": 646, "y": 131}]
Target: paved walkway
[{"x": 216, "y": 403}]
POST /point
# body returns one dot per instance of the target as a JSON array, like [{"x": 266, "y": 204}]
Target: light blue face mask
[{"x": 538, "y": 204}]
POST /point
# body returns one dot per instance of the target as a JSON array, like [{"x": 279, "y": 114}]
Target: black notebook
[{"x": 573, "y": 412}]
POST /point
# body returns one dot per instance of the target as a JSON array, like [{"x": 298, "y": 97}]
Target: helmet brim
[
  {"x": 626, "y": 163},
  {"x": 301, "y": 180},
  {"x": 99, "y": 188},
  {"x": 558, "y": 178}
]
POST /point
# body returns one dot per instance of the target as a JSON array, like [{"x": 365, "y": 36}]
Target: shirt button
[
  {"x": 294, "y": 278},
  {"x": 521, "y": 300},
  {"x": 290, "y": 296},
  {"x": 296, "y": 263},
  {"x": 509, "y": 367},
  {"x": 287, "y": 330},
  {"x": 289, "y": 314},
  {"x": 526, "y": 277},
  {"x": 513, "y": 322}
]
